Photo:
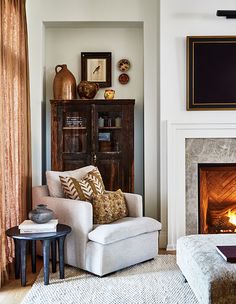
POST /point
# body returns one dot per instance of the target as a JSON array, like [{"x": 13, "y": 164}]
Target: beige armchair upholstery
[{"x": 102, "y": 249}]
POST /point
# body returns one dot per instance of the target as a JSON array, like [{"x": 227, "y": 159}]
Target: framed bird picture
[{"x": 96, "y": 67}]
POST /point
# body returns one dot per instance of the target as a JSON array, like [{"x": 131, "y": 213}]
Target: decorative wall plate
[
  {"x": 124, "y": 65},
  {"x": 123, "y": 78}
]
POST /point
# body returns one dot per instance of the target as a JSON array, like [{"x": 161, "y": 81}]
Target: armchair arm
[
  {"x": 135, "y": 204},
  {"x": 78, "y": 215}
]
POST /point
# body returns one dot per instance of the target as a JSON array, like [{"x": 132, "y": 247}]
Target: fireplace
[
  {"x": 217, "y": 198},
  {"x": 190, "y": 144}
]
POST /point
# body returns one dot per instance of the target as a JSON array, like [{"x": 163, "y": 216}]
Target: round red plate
[{"x": 123, "y": 78}]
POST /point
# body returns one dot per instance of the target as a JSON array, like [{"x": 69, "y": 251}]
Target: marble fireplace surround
[
  {"x": 187, "y": 145},
  {"x": 199, "y": 151}
]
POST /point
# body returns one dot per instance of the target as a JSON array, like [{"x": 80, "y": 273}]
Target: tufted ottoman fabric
[{"x": 211, "y": 278}]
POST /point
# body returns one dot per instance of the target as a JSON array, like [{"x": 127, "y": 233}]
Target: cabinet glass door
[
  {"x": 108, "y": 144},
  {"x": 75, "y": 133},
  {"x": 109, "y": 135},
  {"x": 76, "y": 137}
]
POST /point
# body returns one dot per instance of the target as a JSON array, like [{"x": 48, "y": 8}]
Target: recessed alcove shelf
[
  {"x": 64, "y": 42},
  {"x": 42, "y": 15}
]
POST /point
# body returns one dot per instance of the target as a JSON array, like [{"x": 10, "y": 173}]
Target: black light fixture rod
[{"x": 228, "y": 14}]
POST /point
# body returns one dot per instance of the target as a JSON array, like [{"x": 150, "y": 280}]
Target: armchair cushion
[
  {"x": 125, "y": 228},
  {"x": 109, "y": 207},
  {"x": 53, "y": 180}
]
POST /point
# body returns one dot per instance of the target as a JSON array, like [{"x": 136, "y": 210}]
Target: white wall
[
  {"x": 40, "y": 11},
  {"x": 178, "y": 20},
  {"x": 64, "y": 45}
]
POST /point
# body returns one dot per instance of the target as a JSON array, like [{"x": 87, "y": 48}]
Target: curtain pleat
[{"x": 15, "y": 148}]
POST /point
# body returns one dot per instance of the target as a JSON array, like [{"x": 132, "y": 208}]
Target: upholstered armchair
[{"x": 102, "y": 249}]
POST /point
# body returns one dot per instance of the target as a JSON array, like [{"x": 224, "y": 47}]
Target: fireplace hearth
[{"x": 217, "y": 198}]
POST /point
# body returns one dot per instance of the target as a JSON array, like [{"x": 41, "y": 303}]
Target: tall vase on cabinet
[{"x": 64, "y": 84}]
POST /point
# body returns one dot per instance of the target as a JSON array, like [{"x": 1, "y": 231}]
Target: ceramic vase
[
  {"x": 41, "y": 214},
  {"x": 109, "y": 94},
  {"x": 87, "y": 89},
  {"x": 64, "y": 84}
]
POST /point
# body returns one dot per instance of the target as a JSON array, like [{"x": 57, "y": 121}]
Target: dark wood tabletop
[{"x": 14, "y": 232}]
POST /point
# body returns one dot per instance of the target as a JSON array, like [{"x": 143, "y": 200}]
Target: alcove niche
[{"x": 64, "y": 42}]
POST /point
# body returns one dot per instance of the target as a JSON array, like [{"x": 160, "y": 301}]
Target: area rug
[{"x": 157, "y": 281}]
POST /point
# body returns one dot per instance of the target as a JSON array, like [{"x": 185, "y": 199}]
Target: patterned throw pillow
[
  {"x": 109, "y": 207},
  {"x": 83, "y": 189},
  {"x": 53, "y": 180}
]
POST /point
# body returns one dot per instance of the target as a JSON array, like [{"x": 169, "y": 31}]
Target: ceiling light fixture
[{"x": 228, "y": 14}]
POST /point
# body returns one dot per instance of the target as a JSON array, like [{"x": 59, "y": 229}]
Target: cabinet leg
[
  {"x": 23, "y": 261},
  {"x": 54, "y": 255},
  {"x": 33, "y": 256},
  {"x": 61, "y": 241},
  {"x": 17, "y": 259},
  {"x": 46, "y": 250}
]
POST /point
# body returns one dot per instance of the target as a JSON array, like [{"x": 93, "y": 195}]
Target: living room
[{"x": 170, "y": 138}]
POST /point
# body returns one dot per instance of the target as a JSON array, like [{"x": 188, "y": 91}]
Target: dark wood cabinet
[{"x": 97, "y": 132}]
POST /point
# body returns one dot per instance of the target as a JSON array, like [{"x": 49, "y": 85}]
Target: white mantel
[{"x": 173, "y": 206}]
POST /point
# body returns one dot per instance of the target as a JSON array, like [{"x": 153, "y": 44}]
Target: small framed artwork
[
  {"x": 96, "y": 67},
  {"x": 104, "y": 136},
  {"x": 211, "y": 73}
]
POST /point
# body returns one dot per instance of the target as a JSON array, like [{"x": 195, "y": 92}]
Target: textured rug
[{"x": 157, "y": 281}]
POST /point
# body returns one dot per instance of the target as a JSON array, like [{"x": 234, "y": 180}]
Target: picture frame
[
  {"x": 102, "y": 136},
  {"x": 96, "y": 67},
  {"x": 211, "y": 73}
]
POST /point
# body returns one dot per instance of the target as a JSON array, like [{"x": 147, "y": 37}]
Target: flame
[{"x": 232, "y": 217}]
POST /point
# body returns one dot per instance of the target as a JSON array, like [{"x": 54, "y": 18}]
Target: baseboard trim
[{"x": 171, "y": 247}]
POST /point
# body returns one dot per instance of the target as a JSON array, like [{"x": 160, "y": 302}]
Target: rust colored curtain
[{"x": 15, "y": 158}]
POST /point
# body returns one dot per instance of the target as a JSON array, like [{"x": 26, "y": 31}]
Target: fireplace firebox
[{"x": 217, "y": 198}]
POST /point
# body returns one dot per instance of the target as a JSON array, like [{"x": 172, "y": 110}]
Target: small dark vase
[
  {"x": 41, "y": 214},
  {"x": 87, "y": 89}
]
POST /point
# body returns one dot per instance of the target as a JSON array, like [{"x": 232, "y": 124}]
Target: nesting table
[{"x": 48, "y": 239}]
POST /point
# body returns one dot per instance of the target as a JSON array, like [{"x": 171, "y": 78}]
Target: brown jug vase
[{"x": 64, "y": 84}]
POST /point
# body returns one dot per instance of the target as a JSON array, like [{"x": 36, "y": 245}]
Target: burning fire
[{"x": 232, "y": 217}]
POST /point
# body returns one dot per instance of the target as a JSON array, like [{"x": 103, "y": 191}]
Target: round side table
[{"x": 47, "y": 239}]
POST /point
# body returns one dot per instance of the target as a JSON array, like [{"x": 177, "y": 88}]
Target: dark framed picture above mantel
[
  {"x": 211, "y": 73},
  {"x": 96, "y": 67}
]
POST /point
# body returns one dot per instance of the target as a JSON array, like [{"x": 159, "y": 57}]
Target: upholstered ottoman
[{"x": 211, "y": 278}]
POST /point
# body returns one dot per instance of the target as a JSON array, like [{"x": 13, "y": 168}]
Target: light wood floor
[{"x": 13, "y": 293}]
